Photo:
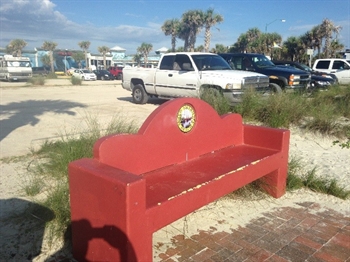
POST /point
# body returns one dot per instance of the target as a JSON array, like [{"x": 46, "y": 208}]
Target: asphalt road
[{"x": 32, "y": 114}]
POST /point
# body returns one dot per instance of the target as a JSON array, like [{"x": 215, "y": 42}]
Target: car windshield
[
  {"x": 262, "y": 61},
  {"x": 305, "y": 67},
  {"x": 104, "y": 72},
  {"x": 18, "y": 64},
  {"x": 210, "y": 62}
]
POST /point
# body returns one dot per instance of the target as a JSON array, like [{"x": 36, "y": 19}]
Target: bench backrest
[{"x": 179, "y": 130}]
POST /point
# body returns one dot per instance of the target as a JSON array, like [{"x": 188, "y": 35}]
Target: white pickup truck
[{"x": 186, "y": 74}]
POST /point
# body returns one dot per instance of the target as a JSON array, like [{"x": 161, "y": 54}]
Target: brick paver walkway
[{"x": 308, "y": 233}]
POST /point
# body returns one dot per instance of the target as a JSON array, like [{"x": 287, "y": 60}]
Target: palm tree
[
  {"x": 79, "y": 57},
  {"x": 327, "y": 28},
  {"x": 15, "y": 47},
  {"x": 316, "y": 38},
  {"x": 171, "y": 27},
  {"x": 85, "y": 46},
  {"x": 199, "y": 49},
  {"x": 219, "y": 48},
  {"x": 241, "y": 44},
  {"x": 144, "y": 50},
  {"x": 45, "y": 59},
  {"x": 253, "y": 34},
  {"x": 50, "y": 46},
  {"x": 103, "y": 50},
  {"x": 292, "y": 46},
  {"x": 272, "y": 38},
  {"x": 184, "y": 34},
  {"x": 194, "y": 21},
  {"x": 137, "y": 59},
  {"x": 210, "y": 19},
  {"x": 334, "y": 48}
]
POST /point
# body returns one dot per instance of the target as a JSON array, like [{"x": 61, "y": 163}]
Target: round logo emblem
[{"x": 186, "y": 118}]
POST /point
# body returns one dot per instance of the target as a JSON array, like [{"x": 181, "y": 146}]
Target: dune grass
[
  {"x": 49, "y": 174},
  {"x": 76, "y": 81},
  {"x": 37, "y": 80}
]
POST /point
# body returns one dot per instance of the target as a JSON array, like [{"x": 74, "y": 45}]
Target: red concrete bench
[{"x": 184, "y": 156}]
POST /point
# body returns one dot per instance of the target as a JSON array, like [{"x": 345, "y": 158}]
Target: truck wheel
[
  {"x": 139, "y": 95},
  {"x": 275, "y": 89},
  {"x": 119, "y": 77}
]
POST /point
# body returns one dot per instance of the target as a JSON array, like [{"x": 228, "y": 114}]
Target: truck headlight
[
  {"x": 229, "y": 86},
  {"x": 233, "y": 86},
  {"x": 293, "y": 80},
  {"x": 323, "y": 83}
]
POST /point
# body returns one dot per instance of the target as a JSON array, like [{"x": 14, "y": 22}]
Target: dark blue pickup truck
[{"x": 280, "y": 78}]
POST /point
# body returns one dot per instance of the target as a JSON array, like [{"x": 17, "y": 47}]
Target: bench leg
[{"x": 275, "y": 182}]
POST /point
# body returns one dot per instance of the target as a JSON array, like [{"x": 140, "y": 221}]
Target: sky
[{"x": 129, "y": 23}]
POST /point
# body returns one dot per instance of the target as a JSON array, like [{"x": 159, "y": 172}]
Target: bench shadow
[
  {"x": 109, "y": 233},
  {"x": 18, "y": 114},
  {"x": 22, "y": 229}
]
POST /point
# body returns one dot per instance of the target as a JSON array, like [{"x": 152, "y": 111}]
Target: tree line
[
  {"x": 16, "y": 46},
  {"x": 319, "y": 38}
]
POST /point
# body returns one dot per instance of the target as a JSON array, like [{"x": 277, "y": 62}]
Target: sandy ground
[{"x": 31, "y": 115}]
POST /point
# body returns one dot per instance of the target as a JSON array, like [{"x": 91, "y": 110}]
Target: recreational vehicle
[{"x": 15, "y": 68}]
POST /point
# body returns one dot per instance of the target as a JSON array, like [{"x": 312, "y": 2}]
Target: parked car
[
  {"x": 318, "y": 79},
  {"x": 117, "y": 71},
  {"x": 103, "y": 75},
  {"x": 339, "y": 67},
  {"x": 70, "y": 71},
  {"x": 280, "y": 78},
  {"x": 84, "y": 74}
]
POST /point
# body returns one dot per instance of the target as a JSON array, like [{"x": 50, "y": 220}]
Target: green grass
[
  {"x": 52, "y": 167},
  {"x": 215, "y": 98},
  {"x": 298, "y": 178}
]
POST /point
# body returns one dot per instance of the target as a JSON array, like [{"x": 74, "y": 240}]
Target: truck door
[
  {"x": 342, "y": 70},
  {"x": 161, "y": 78},
  {"x": 182, "y": 79}
]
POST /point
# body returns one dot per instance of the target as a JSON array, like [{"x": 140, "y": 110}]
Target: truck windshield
[
  {"x": 210, "y": 62},
  {"x": 18, "y": 64},
  {"x": 262, "y": 61}
]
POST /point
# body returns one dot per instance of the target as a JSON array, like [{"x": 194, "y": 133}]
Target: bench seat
[{"x": 166, "y": 183}]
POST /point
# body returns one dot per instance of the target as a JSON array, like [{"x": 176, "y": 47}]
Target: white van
[
  {"x": 339, "y": 67},
  {"x": 15, "y": 68}
]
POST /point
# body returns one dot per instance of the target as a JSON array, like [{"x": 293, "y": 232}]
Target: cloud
[{"x": 36, "y": 21}]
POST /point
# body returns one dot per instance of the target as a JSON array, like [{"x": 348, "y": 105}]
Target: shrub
[
  {"x": 297, "y": 178},
  {"x": 51, "y": 75},
  {"x": 247, "y": 108},
  {"x": 216, "y": 99},
  {"x": 37, "y": 80},
  {"x": 75, "y": 81}
]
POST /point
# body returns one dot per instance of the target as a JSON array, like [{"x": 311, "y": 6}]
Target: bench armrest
[
  {"x": 100, "y": 192},
  {"x": 266, "y": 137}
]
